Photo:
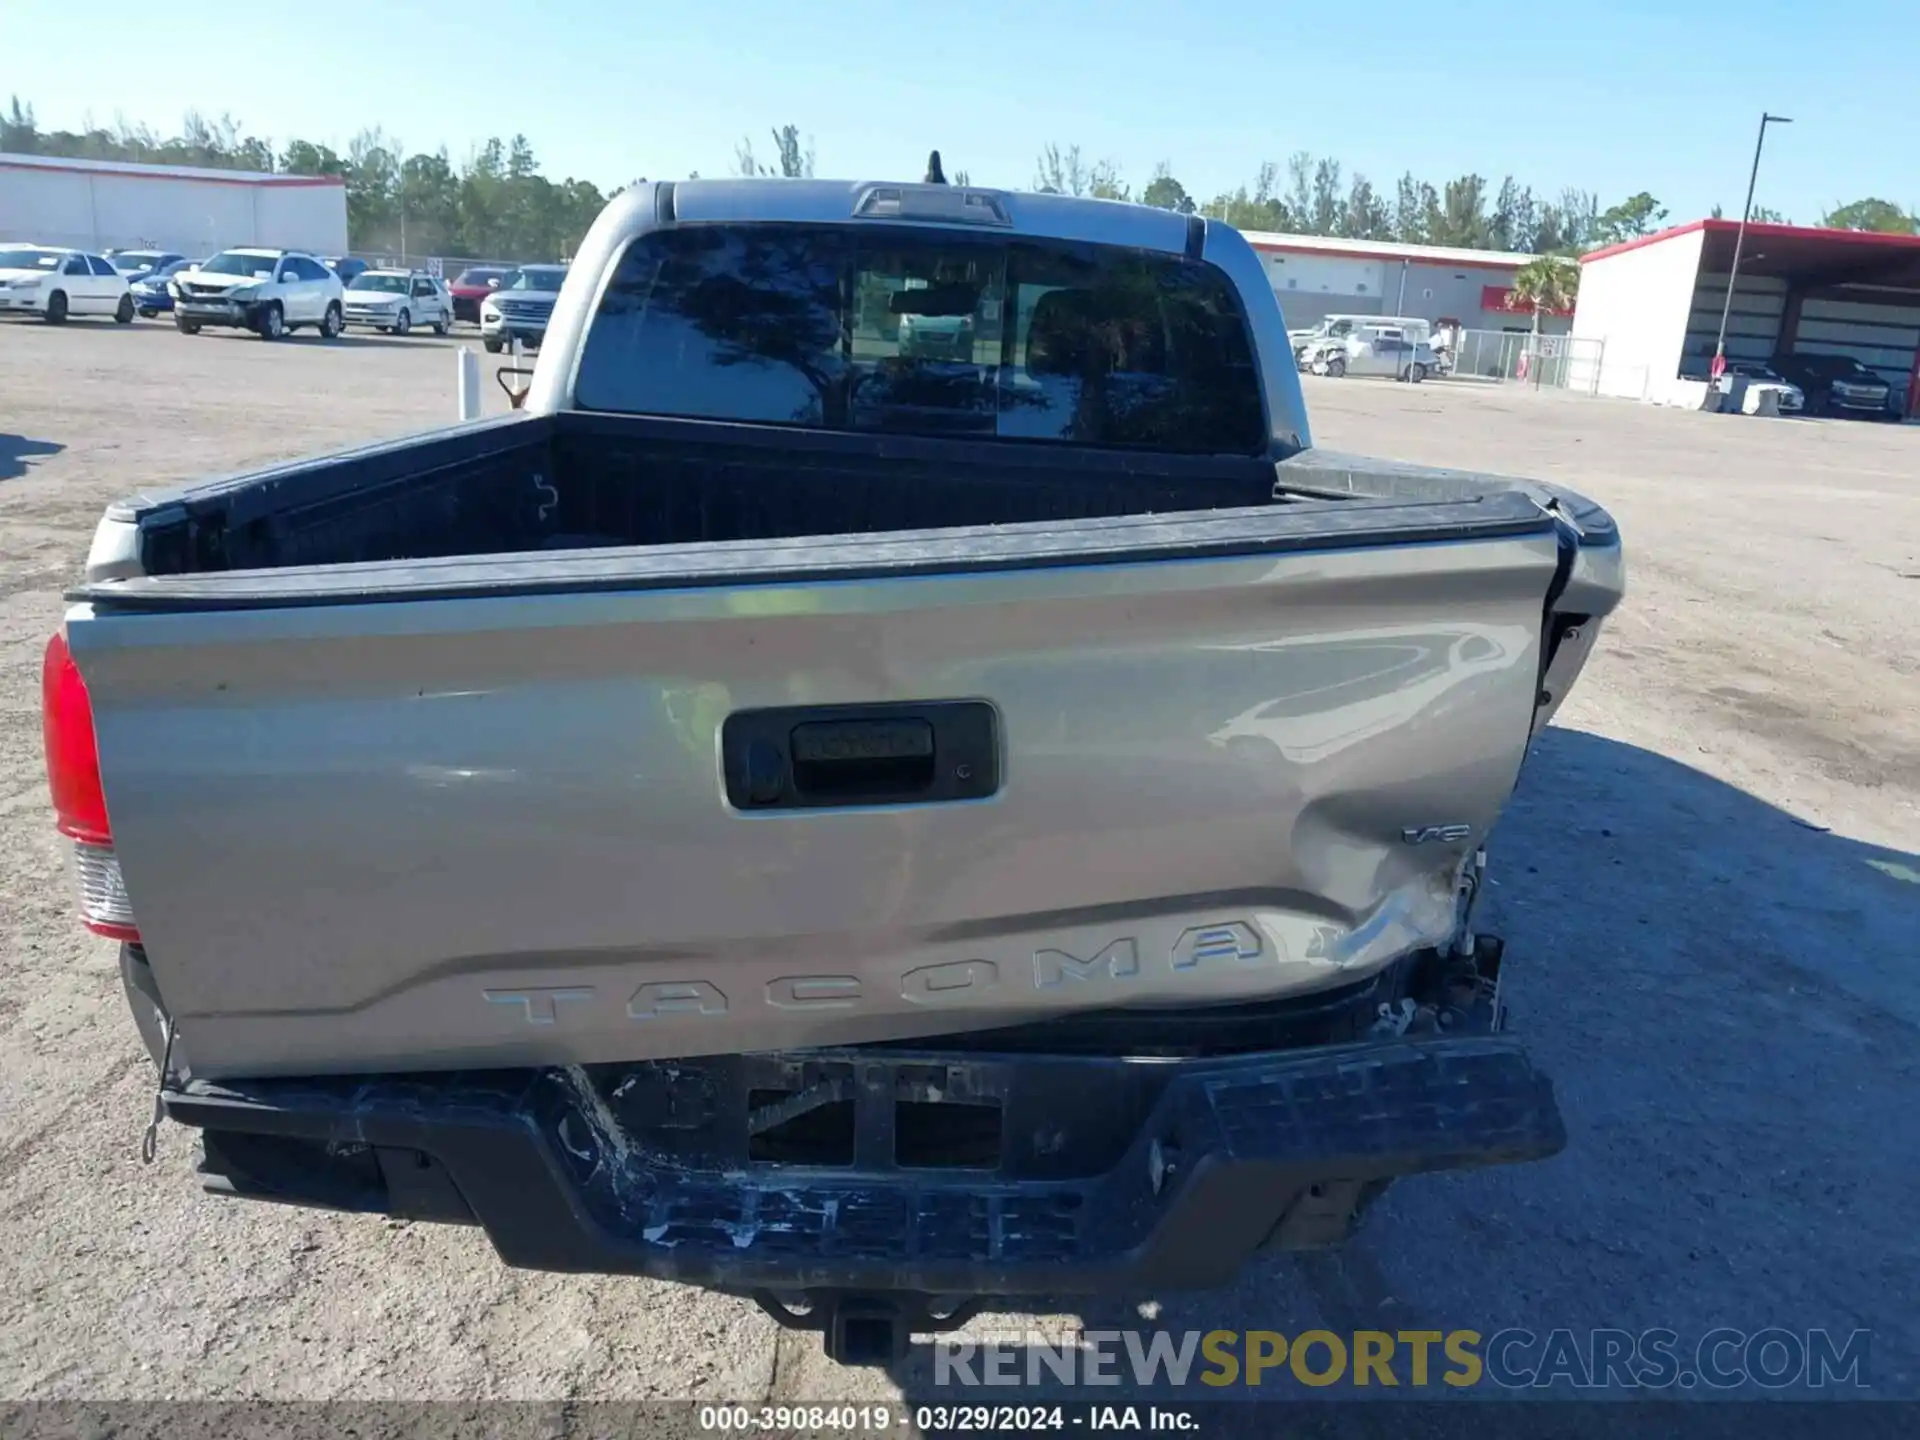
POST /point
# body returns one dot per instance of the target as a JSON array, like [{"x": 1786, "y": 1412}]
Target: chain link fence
[
  {"x": 1519, "y": 357},
  {"x": 446, "y": 266}
]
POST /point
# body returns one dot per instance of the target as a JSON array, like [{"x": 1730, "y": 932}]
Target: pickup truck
[{"x": 861, "y": 831}]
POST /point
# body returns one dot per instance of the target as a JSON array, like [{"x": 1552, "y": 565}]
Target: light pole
[{"x": 1740, "y": 240}]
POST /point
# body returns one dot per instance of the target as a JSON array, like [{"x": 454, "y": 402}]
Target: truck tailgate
[{"x": 366, "y": 834}]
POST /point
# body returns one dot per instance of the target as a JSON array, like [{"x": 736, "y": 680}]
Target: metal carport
[{"x": 1800, "y": 290}]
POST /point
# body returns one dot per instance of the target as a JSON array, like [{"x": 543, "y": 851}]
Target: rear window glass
[{"x": 926, "y": 332}]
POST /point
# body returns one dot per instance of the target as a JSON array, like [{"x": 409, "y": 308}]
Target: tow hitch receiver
[{"x": 866, "y": 1327}]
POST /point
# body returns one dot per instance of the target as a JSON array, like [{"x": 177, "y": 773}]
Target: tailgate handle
[
  {"x": 826, "y": 756},
  {"x": 863, "y": 757}
]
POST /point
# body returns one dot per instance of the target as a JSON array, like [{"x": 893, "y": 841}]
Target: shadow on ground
[
  {"x": 351, "y": 339},
  {"x": 17, "y": 450},
  {"x": 1728, "y": 1000}
]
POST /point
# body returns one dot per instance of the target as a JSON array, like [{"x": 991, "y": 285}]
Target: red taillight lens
[
  {"x": 79, "y": 801},
  {"x": 73, "y": 762}
]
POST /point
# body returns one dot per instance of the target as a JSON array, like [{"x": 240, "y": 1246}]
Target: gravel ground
[{"x": 1708, "y": 882}]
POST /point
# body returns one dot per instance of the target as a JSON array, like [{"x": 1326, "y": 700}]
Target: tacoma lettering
[
  {"x": 814, "y": 992},
  {"x": 1233, "y": 944},
  {"x": 659, "y": 999},
  {"x": 540, "y": 1005},
  {"x": 1119, "y": 960},
  {"x": 957, "y": 981}
]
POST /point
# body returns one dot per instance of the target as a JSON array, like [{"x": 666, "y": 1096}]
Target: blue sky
[{"x": 1616, "y": 98}]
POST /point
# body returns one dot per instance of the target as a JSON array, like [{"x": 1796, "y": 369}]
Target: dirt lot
[{"x": 1708, "y": 881}]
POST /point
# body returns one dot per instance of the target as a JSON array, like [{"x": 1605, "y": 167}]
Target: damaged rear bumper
[{"x": 883, "y": 1169}]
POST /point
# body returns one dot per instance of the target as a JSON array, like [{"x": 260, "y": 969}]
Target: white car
[
  {"x": 1374, "y": 350},
  {"x": 270, "y": 292},
  {"x": 395, "y": 301},
  {"x": 1788, "y": 398},
  {"x": 520, "y": 308},
  {"x": 53, "y": 283},
  {"x": 937, "y": 337},
  {"x": 1333, "y": 330}
]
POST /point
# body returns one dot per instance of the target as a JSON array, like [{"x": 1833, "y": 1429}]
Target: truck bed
[
  {"x": 541, "y": 485},
  {"x": 576, "y": 480}
]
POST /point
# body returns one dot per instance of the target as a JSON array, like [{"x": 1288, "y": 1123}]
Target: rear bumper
[{"x": 890, "y": 1169}]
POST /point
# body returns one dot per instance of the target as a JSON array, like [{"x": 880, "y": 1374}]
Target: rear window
[
  {"x": 926, "y": 332},
  {"x": 538, "y": 278}
]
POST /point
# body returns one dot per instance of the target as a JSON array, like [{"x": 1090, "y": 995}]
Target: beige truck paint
[{"x": 493, "y": 832}]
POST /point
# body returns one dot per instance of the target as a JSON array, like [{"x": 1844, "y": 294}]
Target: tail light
[{"x": 79, "y": 801}]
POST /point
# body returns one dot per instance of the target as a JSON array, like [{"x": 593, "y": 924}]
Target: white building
[
  {"x": 1655, "y": 304},
  {"x": 105, "y": 204},
  {"x": 1320, "y": 275}
]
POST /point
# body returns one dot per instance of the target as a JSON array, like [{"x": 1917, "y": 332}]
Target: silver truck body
[{"x": 416, "y": 815}]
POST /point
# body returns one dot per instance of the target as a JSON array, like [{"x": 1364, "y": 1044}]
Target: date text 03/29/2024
[{"x": 941, "y": 1419}]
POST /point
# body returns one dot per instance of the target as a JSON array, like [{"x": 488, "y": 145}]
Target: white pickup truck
[{"x": 809, "y": 818}]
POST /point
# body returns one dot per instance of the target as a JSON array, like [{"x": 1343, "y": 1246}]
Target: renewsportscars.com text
[{"x": 1514, "y": 1359}]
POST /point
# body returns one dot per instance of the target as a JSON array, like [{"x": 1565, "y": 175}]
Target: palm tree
[{"x": 1546, "y": 282}]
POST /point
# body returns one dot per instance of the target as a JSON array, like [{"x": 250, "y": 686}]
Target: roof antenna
[{"x": 935, "y": 175}]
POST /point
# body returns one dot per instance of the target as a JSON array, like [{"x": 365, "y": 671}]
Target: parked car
[
  {"x": 472, "y": 286},
  {"x": 151, "y": 295},
  {"x": 1789, "y": 399},
  {"x": 270, "y": 292},
  {"x": 345, "y": 266},
  {"x": 137, "y": 265},
  {"x": 1840, "y": 385},
  {"x": 1374, "y": 350},
  {"x": 1339, "y": 327},
  {"x": 520, "y": 308},
  {"x": 426, "y": 777},
  {"x": 932, "y": 336},
  {"x": 54, "y": 283},
  {"x": 395, "y": 301}
]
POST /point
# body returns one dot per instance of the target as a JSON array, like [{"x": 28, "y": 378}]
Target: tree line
[
  {"x": 497, "y": 203},
  {"x": 1316, "y": 196}
]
